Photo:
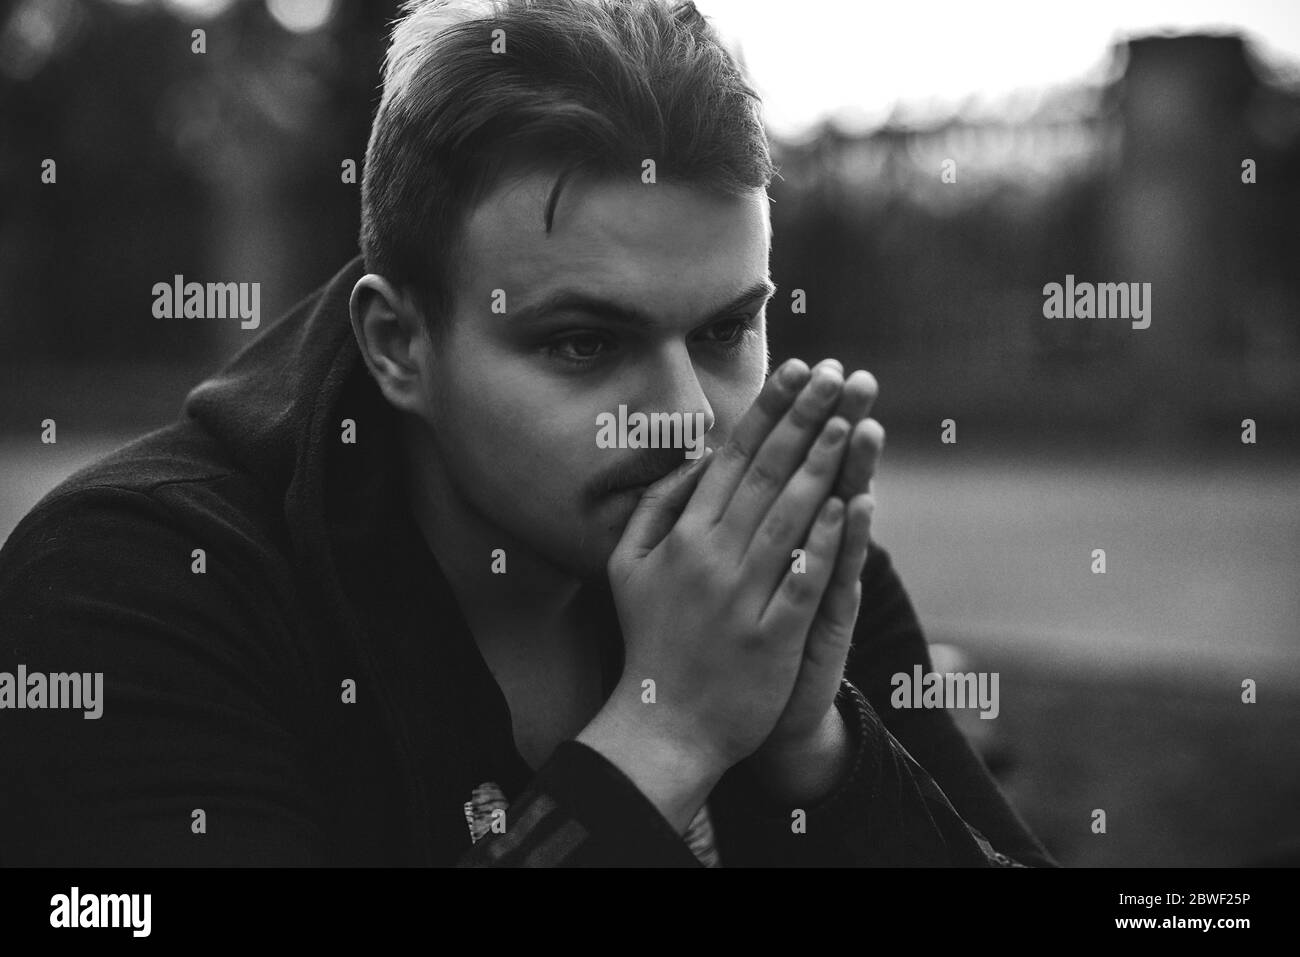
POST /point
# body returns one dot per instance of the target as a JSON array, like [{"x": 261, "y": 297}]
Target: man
[{"x": 387, "y": 595}]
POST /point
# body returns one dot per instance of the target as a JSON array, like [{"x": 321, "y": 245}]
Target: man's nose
[{"x": 678, "y": 387}]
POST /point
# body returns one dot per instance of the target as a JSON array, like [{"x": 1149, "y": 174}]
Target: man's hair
[{"x": 584, "y": 87}]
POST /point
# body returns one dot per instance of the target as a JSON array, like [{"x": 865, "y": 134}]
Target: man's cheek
[{"x": 551, "y": 490}]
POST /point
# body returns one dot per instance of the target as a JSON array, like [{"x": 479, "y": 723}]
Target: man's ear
[{"x": 394, "y": 343}]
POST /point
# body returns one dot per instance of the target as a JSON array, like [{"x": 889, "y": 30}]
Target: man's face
[{"x": 516, "y": 395}]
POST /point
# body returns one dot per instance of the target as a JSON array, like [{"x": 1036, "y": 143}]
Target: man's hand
[
  {"x": 807, "y": 749},
  {"x": 713, "y": 612}
]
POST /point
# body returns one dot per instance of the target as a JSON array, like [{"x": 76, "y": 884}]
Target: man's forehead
[{"x": 617, "y": 240}]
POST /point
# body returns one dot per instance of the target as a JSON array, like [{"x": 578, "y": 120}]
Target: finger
[
  {"x": 829, "y": 639},
  {"x": 794, "y": 603},
  {"x": 734, "y": 455},
  {"x": 787, "y": 521},
  {"x": 861, "y": 460},
  {"x": 658, "y": 509},
  {"x": 780, "y": 457},
  {"x": 856, "y": 401},
  {"x": 851, "y": 560},
  {"x": 831, "y": 635},
  {"x": 859, "y": 395}
]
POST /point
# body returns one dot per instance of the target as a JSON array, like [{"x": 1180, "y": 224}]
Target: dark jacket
[{"x": 224, "y": 689}]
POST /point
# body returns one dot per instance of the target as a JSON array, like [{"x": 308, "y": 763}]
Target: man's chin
[{"x": 587, "y": 555}]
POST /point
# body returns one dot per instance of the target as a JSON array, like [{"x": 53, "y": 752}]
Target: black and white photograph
[{"x": 469, "y": 434}]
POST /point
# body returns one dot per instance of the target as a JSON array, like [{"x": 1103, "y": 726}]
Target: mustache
[{"x": 646, "y": 469}]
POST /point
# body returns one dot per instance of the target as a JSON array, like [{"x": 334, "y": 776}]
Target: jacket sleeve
[
  {"x": 916, "y": 794},
  {"x": 582, "y": 811},
  {"x": 194, "y": 714}
]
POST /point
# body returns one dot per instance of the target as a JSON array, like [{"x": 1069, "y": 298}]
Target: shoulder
[
  {"x": 134, "y": 506},
  {"x": 160, "y": 539}
]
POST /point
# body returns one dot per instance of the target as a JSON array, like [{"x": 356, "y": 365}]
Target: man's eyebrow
[{"x": 572, "y": 300}]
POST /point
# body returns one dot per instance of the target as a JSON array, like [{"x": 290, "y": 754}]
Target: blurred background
[{"x": 1104, "y": 141}]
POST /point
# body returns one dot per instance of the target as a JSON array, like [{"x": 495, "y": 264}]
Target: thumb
[{"x": 659, "y": 508}]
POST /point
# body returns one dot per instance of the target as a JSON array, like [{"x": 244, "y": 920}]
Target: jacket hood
[
  {"x": 280, "y": 408},
  {"x": 298, "y": 412},
  {"x": 268, "y": 407}
]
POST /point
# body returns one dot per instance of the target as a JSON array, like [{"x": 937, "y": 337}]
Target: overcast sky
[{"x": 856, "y": 59}]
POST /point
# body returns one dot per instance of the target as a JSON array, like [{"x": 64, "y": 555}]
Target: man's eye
[
  {"x": 729, "y": 333},
  {"x": 577, "y": 348},
  {"x": 730, "y": 330}
]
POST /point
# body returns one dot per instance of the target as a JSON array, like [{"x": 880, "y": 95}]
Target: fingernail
[
  {"x": 825, "y": 383},
  {"x": 792, "y": 373},
  {"x": 835, "y": 431}
]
